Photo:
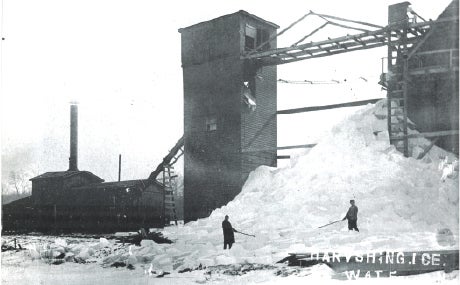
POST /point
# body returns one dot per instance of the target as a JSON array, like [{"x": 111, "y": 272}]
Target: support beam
[
  {"x": 430, "y": 52},
  {"x": 313, "y": 44},
  {"x": 432, "y": 69},
  {"x": 347, "y": 27},
  {"x": 347, "y": 20},
  {"x": 331, "y": 48},
  {"x": 327, "y": 107},
  {"x": 428, "y": 135},
  {"x": 283, "y": 157},
  {"x": 296, "y": 146},
  {"x": 310, "y": 34},
  {"x": 359, "y": 41},
  {"x": 277, "y": 61},
  {"x": 428, "y": 148},
  {"x": 420, "y": 43},
  {"x": 324, "y": 49},
  {"x": 167, "y": 159},
  {"x": 315, "y": 52},
  {"x": 271, "y": 38},
  {"x": 381, "y": 33},
  {"x": 381, "y": 39},
  {"x": 278, "y": 148}
]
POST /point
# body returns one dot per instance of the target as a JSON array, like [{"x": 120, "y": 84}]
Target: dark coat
[
  {"x": 352, "y": 214},
  {"x": 228, "y": 232}
]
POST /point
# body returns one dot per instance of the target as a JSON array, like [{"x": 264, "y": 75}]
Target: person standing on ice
[
  {"x": 229, "y": 238},
  {"x": 352, "y": 216}
]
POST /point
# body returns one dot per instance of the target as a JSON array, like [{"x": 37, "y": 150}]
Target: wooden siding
[
  {"x": 259, "y": 127},
  {"x": 433, "y": 98},
  {"x": 211, "y": 73},
  {"x": 213, "y": 78},
  {"x": 87, "y": 209}
]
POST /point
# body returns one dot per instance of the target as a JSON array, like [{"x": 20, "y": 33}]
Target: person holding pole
[
  {"x": 229, "y": 238},
  {"x": 352, "y": 216}
]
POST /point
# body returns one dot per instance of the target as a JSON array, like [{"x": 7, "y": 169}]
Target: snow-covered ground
[
  {"x": 28, "y": 267},
  {"x": 403, "y": 205}
]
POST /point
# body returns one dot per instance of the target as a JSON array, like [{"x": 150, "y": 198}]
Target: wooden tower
[{"x": 229, "y": 109}]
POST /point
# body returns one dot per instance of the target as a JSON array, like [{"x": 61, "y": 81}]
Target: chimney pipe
[
  {"x": 73, "y": 159},
  {"x": 119, "y": 168}
]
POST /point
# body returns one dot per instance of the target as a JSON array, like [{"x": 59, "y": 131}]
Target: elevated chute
[{"x": 174, "y": 154}]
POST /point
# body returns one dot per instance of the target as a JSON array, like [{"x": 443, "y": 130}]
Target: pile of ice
[
  {"x": 403, "y": 204},
  {"x": 62, "y": 250}
]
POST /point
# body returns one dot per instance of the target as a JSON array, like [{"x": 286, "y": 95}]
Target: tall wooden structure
[
  {"x": 422, "y": 78},
  {"x": 422, "y": 75},
  {"x": 397, "y": 76},
  {"x": 229, "y": 109},
  {"x": 432, "y": 99}
]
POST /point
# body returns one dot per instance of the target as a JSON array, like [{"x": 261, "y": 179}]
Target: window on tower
[
  {"x": 262, "y": 37},
  {"x": 211, "y": 124},
  {"x": 255, "y": 37},
  {"x": 250, "y": 37}
]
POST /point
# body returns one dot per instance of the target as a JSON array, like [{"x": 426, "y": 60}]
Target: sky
[{"x": 120, "y": 60}]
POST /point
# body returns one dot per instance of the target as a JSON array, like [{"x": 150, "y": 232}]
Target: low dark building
[
  {"x": 79, "y": 201},
  {"x": 51, "y": 187},
  {"x": 57, "y": 205}
]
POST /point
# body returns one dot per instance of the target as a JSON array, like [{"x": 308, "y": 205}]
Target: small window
[
  {"x": 250, "y": 37},
  {"x": 249, "y": 94},
  {"x": 262, "y": 37},
  {"x": 211, "y": 124}
]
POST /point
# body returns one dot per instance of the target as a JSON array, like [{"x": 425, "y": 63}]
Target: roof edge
[
  {"x": 241, "y": 12},
  {"x": 69, "y": 173}
]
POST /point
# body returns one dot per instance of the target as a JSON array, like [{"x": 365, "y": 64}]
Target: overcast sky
[{"x": 121, "y": 61}]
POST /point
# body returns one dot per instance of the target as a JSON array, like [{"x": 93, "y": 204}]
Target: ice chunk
[
  {"x": 69, "y": 256},
  {"x": 147, "y": 243},
  {"x": 131, "y": 260},
  {"x": 60, "y": 242},
  {"x": 103, "y": 242},
  {"x": 85, "y": 253},
  {"x": 34, "y": 254}
]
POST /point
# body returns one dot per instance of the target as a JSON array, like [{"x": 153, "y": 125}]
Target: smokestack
[
  {"x": 73, "y": 159},
  {"x": 119, "y": 168}
]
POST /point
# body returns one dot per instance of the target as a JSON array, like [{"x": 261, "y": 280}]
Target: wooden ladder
[
  {"x": 169, "y": 185},
  {"x": 397, "y": 82}
]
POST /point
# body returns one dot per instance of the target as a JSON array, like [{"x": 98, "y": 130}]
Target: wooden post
[
  {"x": 164, "y": 197},
  {"x": 405, "y": 78}
]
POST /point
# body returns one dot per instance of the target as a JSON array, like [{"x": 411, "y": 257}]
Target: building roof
[
  {"x": 118, "y": 184},
  {"x": 23, "y": 202},
  {"x": 450, "y": 11},
  {"x": 65, "y": 174},
  {"x": 241, "y": 12}
]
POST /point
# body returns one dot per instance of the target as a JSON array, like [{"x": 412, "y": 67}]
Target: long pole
[
  {"x": 329, "y": 224},
  {"x": 244, "y": 234}
]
